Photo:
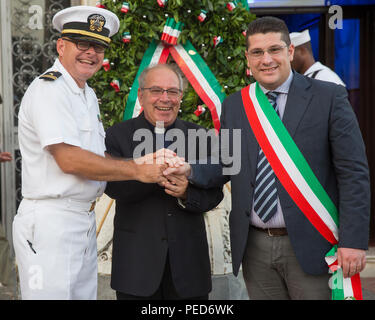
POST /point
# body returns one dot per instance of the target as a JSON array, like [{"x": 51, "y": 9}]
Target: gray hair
[{"x": 172, "y": 67}]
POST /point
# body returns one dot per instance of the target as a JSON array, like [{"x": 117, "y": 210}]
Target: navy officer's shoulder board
[{"x": 50, "y": 75}]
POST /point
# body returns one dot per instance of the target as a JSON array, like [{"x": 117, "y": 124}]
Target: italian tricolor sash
[{"x": 299, "y": 181}]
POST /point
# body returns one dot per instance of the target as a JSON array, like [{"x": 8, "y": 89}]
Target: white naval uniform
[
  {"x": 324, "y": 73},
  {"x": 54, "y": 231}
]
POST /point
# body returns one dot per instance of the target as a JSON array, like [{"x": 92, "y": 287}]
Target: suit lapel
[
  {"x": 297, "y": 102},
  {"x": 251, "y": 144}
]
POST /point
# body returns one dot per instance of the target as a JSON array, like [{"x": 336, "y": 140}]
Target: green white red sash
[
  {"x": 342, "y": 288},
  {"x": 195, "y": 69},
  {"x": 299, "y": 181}
]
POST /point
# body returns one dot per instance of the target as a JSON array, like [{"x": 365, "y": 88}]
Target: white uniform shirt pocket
[{"x": 85, "y": 133}]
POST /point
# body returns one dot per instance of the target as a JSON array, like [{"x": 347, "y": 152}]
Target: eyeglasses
[
  {"x": 84, "y": 45},
  {"x": 273, "y": 51},
  {"x": 158, "y": 92}
]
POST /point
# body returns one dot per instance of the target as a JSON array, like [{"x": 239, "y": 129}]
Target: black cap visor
[{"x": 79, "y": 37}]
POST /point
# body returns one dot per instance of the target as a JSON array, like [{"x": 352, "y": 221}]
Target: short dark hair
[{"x": 266, "y": 25}]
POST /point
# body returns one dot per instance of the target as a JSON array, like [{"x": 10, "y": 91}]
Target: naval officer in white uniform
[
  {"x": 304, "y": 62},
  {"x": 64, "y": 165}
]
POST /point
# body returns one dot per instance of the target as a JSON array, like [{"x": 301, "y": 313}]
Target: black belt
[{"x": 273, "y": 232}]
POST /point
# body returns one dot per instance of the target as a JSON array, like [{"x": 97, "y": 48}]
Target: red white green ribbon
[
  {"x": 342, "y": 288},
  {"x": 202, "y": 16},
  {"x": 100, "y": 5},
  {"x": 201, "y": 78},
  {"x": 106, "y": 65},
  {"x": 125, "y": 7},
  {"x": 162, "y": 3},
  {"x": 217, "y": 40},
  {"x": 195, "y": 70},
  {"x": 167, "y": 29},
  {"x": 290, "y": 166},
  {"x": 126, "y": 37},
  {"x": 116, "y": 84},
  {"x": 171, "y": 31},
  {"x": 231, "y": 5},
  {"x": 200, "y": 109}
]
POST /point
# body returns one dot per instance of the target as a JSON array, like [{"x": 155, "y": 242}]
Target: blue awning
[
  {"x": 306, "y": 3},
  {"x": 349, "y": 2}
]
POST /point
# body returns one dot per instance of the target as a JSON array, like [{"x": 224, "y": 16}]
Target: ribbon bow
[{"x": 171, "y": 31}]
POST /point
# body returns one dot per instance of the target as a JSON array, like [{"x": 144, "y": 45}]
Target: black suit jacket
[
  {"x": 149, "y": 223},
  {"x": 321, "y": 122}
]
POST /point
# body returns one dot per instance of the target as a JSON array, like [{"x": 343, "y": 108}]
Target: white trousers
[{"x": 55, "y": 247}]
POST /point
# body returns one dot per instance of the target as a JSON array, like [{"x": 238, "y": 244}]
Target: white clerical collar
[{"x": 159, "y": 127}]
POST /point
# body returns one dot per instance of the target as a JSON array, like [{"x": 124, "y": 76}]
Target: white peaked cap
[
  {"x": 86, "y": 22},
  {"x": 299, "y": 38}
]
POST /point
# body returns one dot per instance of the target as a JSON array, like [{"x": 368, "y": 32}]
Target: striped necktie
[{"x": 265, "y": 193}]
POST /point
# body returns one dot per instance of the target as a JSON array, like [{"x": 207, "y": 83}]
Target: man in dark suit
[
  {"x": 160, "y": 248},
  {"x": 282, "y": 253}
]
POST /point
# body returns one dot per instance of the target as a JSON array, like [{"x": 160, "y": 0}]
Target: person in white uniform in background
[
  {"x": 304, "y": 62},
  {"x": 64, "y": 165}
]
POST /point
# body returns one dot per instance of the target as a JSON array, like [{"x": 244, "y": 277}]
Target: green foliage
[{"x": 145, "y": 21}]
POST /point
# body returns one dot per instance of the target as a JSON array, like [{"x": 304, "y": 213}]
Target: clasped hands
[{"x": 167, "y": 169}]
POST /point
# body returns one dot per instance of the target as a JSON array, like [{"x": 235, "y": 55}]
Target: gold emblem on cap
[{"x": 97, "y": 22}]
